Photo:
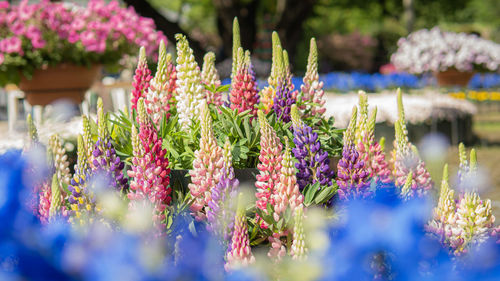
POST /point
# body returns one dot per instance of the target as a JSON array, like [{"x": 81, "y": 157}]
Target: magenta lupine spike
[
  {"x": 244, "y": 94},
  {"x": 220, "y": 209},
  {"x": 141, "y": 79},
  {"x": 150, "y": 172},
  {"x": 269, "y": 166},
  {"x": 159, "y": 96},
  {"x": 210, "y": 78},
  {"x": 207, "y": 165},
  {"x": 287, "y": 193},
  {"x": 312, "y": 89},
  {"x": 352, "y": 177},
  {"x": 240, "y": 254}
]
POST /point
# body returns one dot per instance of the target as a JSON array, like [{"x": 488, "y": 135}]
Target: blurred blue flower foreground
[{"x": 375, "y": 239}]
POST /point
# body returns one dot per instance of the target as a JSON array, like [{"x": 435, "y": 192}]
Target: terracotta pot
[
  {"x": 64, "y": 81},
  {"x": 453, "y": 77}
]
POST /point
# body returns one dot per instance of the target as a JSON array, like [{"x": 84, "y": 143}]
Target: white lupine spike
[{"x": 190, "y": 90}]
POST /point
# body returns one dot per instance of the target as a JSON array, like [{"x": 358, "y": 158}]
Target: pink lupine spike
[
  {"x": 210, "y": 77},
  {"x": 278, "y": 249},
  {"x": 269, "y": 166},
  {"x": 406, "y": 159},
  {"x": 159, "y": 96},
  {"x": 370, "y": 150},
  {"x": 150, "y": 172},
  {"x": 244, "y": 94},
  {"x": 240, "y": 253},
  {"x": 44, "y": 205},
  {"x": 287, "y": 193},
  {"x": 141, "y": 79},
  {"x": 207, "y": 166}
]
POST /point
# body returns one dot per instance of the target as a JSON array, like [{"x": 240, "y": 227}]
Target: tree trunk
[
  {"x": 290, "y": 25},
  {"x": 246, "y": 11},
  {"x": 143, "y": 8}
]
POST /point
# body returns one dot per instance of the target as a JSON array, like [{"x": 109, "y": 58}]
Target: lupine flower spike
[
  {"x": 267, "y": 94},
  {"x": 236, "y": 46},
  {"x": 45, "y": 197},
  {"x": 150, "y": 171},
  {"x": 32, "y": 134},
  {"x": 81, "y": 200},
  {"x": 352, "y": 177},
  {"x": 141, "y": 79},
  {"x": 277, "y": 55},
  {"x": 56, "y": 198},
  {"x": 210, "y": 78},
  {"x": 467, "y": 170},
  {"x": 370, "y": 151},
  {"x": 444, "y": 212},
  {"x": 287, "y": 193},
  {"x": 407, "y": 160},
  {"x": 104, "y": 158},
  {"x": 159, "y": 96},
  {"x": 221, "y": 208},
  {"x": 284, "y": 98},
  {"x": 299, "y": 250},
  {"x": 207, "y": 165},
  {"x": 190, "y": 90},
  {"x": 473, "y": 220},
  {"x": 244, "y": 93},
  {"x": 312, "y": 89},
  {"x": 60, "y": 160},
  {"x": 269, "y": 166},
  {"x": 313, "y": 162},
  {"x": 288, "y": 76},
  {"x": 87, "y": 138},
  {"x": 240, "y": 254}
]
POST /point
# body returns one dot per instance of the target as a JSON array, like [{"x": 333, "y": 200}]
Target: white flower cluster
[
  {"x": 436, "y": 50},
  {"x": 190, "y": 90}
]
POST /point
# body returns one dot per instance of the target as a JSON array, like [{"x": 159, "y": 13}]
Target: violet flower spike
[{"x": 313, "y": 163}]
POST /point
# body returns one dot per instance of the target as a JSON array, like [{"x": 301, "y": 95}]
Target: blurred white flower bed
[
  {"x": 66, "y": 130},
  {"x": 418, "y": 107}
]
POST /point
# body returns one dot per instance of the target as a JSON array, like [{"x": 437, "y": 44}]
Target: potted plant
[
  {"x": 56, "y": 50},
  {"x": 452, "y": 57}
]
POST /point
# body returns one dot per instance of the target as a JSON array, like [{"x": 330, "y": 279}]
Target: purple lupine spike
[
  {"x": 313, "y": 162},
  {"x": 220, "y": 214},
  {"x": 102, "y": 163},
  {"x": 283, "y": 102},
  {"x": 353, "y": 178}
]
